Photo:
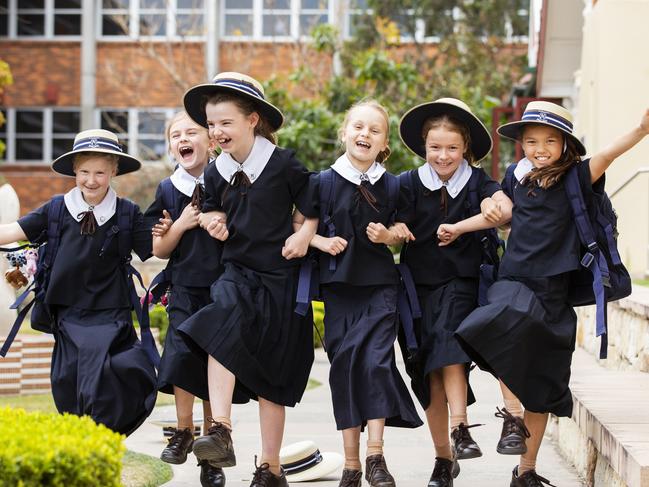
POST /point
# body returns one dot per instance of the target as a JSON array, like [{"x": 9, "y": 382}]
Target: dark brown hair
[
  {"x": 246, "y": 107},
  {"x": 454, "y": 125}
]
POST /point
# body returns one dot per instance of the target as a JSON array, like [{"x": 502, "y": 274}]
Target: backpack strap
[
  {"x": 509, "y": 182},
  {"x": 50, "y": 248},
  {"x": 594, "y": 259},
  {"x": 169, "y": 197},
  {"x": 327, "y": 193},
  {"x": 392, "y": 185},
  {"x": 408, "y": 307}
]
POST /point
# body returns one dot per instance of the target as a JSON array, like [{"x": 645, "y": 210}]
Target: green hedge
[
  {"x": 318, "y": 319},
  {"x": 41, "y": 449}
]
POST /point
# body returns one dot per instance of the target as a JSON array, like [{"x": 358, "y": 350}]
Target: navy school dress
[
  {"x": 99, "y": 367},
  {"x": 360, "y": 300},
  {"x": 251, "y": 327},
  {"x": 446, "y": 278},
  {"x": 526, "y": 334},
  {"x": 194, "y": 265}
]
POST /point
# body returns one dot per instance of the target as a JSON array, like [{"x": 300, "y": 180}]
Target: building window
[
  {"x": 40, "y": 18},
  {"x": 152, "y": 19},
  {"x": 38, "y": 135},
  {"x": 272, "y": 19}
]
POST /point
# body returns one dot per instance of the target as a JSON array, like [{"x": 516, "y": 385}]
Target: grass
[
  {"x": 641, "y": 282},
  {"x": 144, "y": 471}
]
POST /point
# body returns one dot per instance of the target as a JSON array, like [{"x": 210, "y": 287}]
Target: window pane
[
  {"x": 4, "y": 5},
  {"x": 29, "y": 122},
  {"x": 151, "y": 123},
  {"x": 67, "y": 3},
  {"x": 277, "y": 4},
  {"x": 277, "y": 25},
  {"x": 29, "y": 149},
  {"x": 315, "y": 4},
  {"x": 189, "y": 25},
  {"x": 31, "y": 25},
  {"x": 61, "y": 145},
  {"x": 238, "y": 25},
  {"x": 116, "y": 3},
  {"x": 4, "y": 31},
  {"x": 67, "y": 25},
  {"x": 115, "y": 121},
  {"x": 308, "y": 22},
  {"x": 65, "y": 122},
  {"x": 25, "y": 4},
  {"x": 238, "y": 3},
  {"x": 362, "y": 4},
  {"x": 193, "y": 3},
  {"x": 151, "y": 149},
  {"x": 153, "y": 4},
  {"x": 115, "y": 25},
  {"x": 153, "y": 25}
]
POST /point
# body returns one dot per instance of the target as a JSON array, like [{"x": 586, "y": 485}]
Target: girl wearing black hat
[
  {"x": 250, "y": 335},
  {"x": 526, "y": 334},
  {"x": 445, "y": 263}
]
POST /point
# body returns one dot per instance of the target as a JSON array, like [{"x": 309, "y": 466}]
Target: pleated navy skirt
[
  {"x": 442, "y": 310},
  {"x": 251, "y": 328},
  {"x": 360, "y": 331},
  {"x": 526, "y": 337},
  {"x": 100, "y": 369}
]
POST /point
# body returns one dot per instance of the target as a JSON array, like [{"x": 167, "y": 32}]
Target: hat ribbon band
[
  {"x": 97, "y": 143},
  {"x": 240, "y": 85},
  {"x": 303, "y": 463},
  {"x": 547, "y": 117}
]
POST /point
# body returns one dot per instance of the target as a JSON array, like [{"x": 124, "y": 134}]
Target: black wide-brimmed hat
[
  {"x": 543, "y": 113},
  {"x": 231, "y": 82},
  {"x": 96, "y": 140},
  {"x": 413, "y": 121}
]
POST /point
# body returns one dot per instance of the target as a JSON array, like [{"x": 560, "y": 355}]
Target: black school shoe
[
  {"x": 351, "y": 478},
  {"x": 377, "y": 473},
  {"x": 528, "y": 479},
  {"x": 263, "y": 477},
  {"x": 444, "y": 472},
  {"x": 211, "y": 476},
  {"x": 178, "y": 446},
  {"x": 513, "y": 435},
  {"x": 464, "y": 447},
  {"x": 216, "y": 446}
]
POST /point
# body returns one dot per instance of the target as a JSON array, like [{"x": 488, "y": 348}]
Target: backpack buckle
[
  {"x": 606, "y": 281},
  {"x": 587, "y": 260},
  {"x": 593, "y": 247}
]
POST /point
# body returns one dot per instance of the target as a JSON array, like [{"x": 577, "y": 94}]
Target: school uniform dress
[
  {"x": 251, "y": 327},
  {"x": 446, "y": 278},
  {"x": 99, "y": 367},
  {"x": 194, "y": 265},
  {"x": 360, "y": 300},
  {"x": 526, "y": 334}
]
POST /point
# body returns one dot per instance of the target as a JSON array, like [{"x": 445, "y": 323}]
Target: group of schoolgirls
[{"x": 236, "y": 230}]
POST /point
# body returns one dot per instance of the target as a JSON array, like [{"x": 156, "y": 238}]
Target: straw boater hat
[
  {"x": 96, "y": 140},
  {"x": 413, "y": 121},
  {"x": 238, "y": 84},
  {"x": 543, "y": 113},
  {"x": 302, "y": 461}
]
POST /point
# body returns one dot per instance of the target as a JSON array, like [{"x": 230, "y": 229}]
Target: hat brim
[
  {"x": 412, "y": 122},
  {"x": 125, "y": 164},
  {"x": 194, "y": 102},
  {"x": 512, "y": 130},
  {"x": 331, "y": 462}
]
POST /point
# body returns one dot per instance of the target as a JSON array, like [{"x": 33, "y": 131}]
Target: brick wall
[
  {"x": 34, "y": 184},
  {"x": 26, "y": 368}
]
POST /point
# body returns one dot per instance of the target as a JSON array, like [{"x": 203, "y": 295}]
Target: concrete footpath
[{"x": 409, "y": 453}]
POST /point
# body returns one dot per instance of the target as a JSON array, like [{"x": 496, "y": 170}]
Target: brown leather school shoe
[
  {"x": 528, "y": 479},
  {"x": 263, "y": 477},
  {"x": 513, "y": 435},
  {"x": 444, "y": 472},
  {"x": 351, "y": 478},
  {"x": 178, "y": 446},
  {"x": 376, "y": 472},
  {"x": 211, "y": 476},
  {"x": 464, "y": 447},
  {"x": 216, "y": 446}
]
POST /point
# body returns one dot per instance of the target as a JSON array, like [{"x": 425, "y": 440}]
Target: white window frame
[{"x": 48, "y": 12}]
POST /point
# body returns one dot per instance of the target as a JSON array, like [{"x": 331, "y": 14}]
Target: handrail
[{"x": 639, "y": 171}]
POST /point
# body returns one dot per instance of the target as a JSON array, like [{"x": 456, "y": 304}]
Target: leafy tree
[{"x": 5, "y": 80}]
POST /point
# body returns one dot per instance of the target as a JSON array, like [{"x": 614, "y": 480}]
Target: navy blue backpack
[{"x": 602, "y": 276}]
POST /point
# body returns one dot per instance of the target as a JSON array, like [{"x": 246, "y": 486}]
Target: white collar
[
  {"x": 262, "y": 150},
  {"x": 523, "y": 167},
  {"x": 103, "y": 212},
  {"x": 185, "y": 182},
  {"x": 344, "y": 167},
  {"x": 454, "y": 185}
]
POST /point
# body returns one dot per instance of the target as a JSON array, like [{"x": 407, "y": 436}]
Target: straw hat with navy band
[
  {"x": 238, "y": 84},
  {"x": 413, "y": 121},
  {"x": 96, "y": 140},
  {"x": 543, "y": 113},
  {"x": 302, "y": 461}
]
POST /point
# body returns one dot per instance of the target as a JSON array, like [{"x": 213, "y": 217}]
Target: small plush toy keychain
[{"x": 15, "y": 276}]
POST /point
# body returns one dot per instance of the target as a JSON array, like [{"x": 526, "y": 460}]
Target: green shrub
[
  {"x": 41, "y": 449},
  {"x": 318, "y": 319},
  {"x": 159, "y": 319}
]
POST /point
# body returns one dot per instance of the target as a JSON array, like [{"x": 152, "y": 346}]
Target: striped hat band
[
  {"x": 240, "y": 85},
  {"x": 548, "y": 118},
  {"x": 96, "y": 143},
  {"x": 303, "y": 464}
]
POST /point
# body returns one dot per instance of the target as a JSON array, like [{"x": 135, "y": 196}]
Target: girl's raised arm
[{"x": 11, "y": 232}]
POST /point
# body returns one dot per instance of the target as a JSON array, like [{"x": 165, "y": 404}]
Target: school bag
[
  {"x": 42, "y": 318},
  {"x": 602, "y": 276}
]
